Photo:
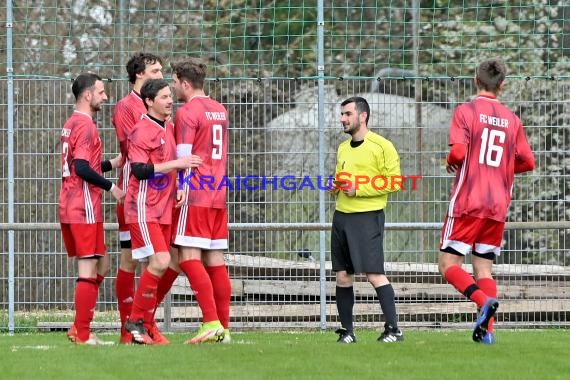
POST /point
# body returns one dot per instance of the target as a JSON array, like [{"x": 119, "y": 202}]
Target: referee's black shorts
[{"x": 357, "y": 242}]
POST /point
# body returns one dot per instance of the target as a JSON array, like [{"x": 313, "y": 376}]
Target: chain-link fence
[{"x": 413, "y": 61}]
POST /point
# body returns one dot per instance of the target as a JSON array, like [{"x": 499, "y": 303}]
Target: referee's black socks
[
  {"x": 387, "y": 303},
  {"x": 344, "y": 304}
]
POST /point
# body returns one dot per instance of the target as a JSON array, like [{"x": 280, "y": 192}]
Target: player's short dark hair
[
  {"x": 83, "y": 82},
  {"x": 360, "y": 104},
  {"x": 490, "y": 74},
  {"x": 192, "y": 70},
  {"x": 138, "y": 62},
  {"x": 150, "y": 89}
]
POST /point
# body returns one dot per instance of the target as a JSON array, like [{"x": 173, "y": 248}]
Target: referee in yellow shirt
[{"x": 367, "y": 170}]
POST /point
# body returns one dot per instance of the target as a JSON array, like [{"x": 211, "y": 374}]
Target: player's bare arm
[
  {"x": 116, "y": 161},
  {"x": 187, "y": 162},
  {"x": 117, "y": 193}
]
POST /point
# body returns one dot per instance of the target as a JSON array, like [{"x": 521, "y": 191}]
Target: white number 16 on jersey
[{"x": 490, "y": 147}]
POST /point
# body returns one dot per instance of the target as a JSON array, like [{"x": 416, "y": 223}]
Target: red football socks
[
  {"x": 465, "y": 284},
  {"x": 202, "y": 287},
  {"x": 86, "y": 292},
  {"x": 125, "y": 291},
  {"x": 165, "y": 284},
  {"x": 145, "y": 297},
  {"x": 222, "y": 292}
]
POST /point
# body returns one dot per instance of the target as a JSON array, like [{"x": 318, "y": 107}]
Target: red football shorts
[
  {"x": 149, "y": 238},
  {"x": 201, "y": 227},
  {"x": 466, "y": 233},
  {"x": 124, "y": 232},
  {"x": 84, "y": 240}
]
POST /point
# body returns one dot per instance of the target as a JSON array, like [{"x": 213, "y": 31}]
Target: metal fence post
[
  {"x": 10, "y": 117},
  {"x": 321, "y": 123}
]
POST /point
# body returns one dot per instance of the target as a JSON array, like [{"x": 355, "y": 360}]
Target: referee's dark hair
[
  {"x": 150, "y": 89},
  {"x": 360, "y": 104},
  {"x": 83, "y": 82}
]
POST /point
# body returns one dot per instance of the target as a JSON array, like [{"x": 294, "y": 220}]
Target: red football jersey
[
  {"x": 494, "y": 137},
  {"x": 151, "y": 200},
  {"x": 79, "y": 201},
  {"x": 128, "y": 111},
  {"x": 203, "y": 122}
]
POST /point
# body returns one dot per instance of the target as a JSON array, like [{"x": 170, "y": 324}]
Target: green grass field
[{"x": 521, "y": 354}]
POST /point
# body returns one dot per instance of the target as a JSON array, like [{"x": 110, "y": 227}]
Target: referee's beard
[{"x": 351, "y": 129}]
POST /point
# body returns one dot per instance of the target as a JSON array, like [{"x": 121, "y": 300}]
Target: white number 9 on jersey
[{"x": 217, "y": 141}]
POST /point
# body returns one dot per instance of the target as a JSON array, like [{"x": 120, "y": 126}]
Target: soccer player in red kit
[
  {"x": 128, "y": 111},
  {"x": 488, "y": 147},
  {"x": 149, "y": 202},
  {"x": 80, "y": 210},
  {"x": 200, "y": 227}
]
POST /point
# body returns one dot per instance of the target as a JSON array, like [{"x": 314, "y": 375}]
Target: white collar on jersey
[{"x": 83, "y": 113}]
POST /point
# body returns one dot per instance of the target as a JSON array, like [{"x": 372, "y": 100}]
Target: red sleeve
[
  {"x": 459, "y": 128},
  {"x": 457, "y": 154},
  {"x": 523, "y": 166},
  {"x": 524, "y": 158}
]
